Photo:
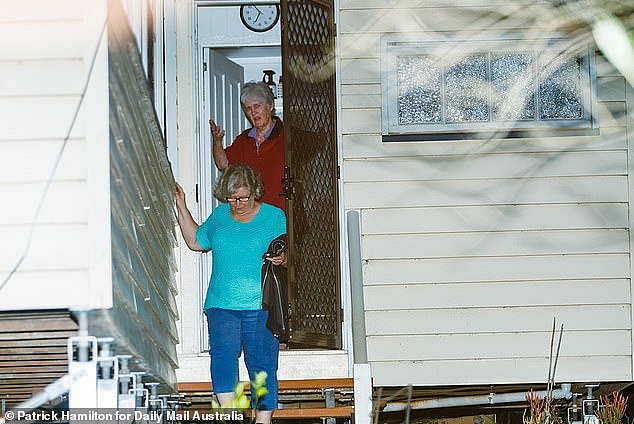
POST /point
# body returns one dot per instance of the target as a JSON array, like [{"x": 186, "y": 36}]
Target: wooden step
[
  {"x": 310, "y": 392},
  {"x": 287, "y": 385},
  {"x": 284, "y": 414},
  {"x": 295, "y": 413}
]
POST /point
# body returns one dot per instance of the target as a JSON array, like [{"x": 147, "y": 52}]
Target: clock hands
[{"x": 258, "y": 15}]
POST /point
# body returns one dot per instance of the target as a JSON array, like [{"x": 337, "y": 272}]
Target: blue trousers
[{"x": 230, "y": 332}]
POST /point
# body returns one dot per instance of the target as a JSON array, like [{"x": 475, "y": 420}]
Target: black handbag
[{"x": 275, "y": 291}]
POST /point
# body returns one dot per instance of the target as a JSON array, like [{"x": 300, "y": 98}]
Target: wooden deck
[
  {"x": 300, "y": 399},
  {"x": 283, "y": 385}
]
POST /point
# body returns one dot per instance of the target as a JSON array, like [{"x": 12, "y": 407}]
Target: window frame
[{"x": 393, "y": 46}]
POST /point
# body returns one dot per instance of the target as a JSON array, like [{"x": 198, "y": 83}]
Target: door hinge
[
  {"x": 204, "y": 66},
  {"x": 196, "y": 193},
  {"x": 338, "y": 172}
]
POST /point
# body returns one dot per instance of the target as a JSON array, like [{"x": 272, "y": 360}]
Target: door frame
[{"x": 202, "y": 138}]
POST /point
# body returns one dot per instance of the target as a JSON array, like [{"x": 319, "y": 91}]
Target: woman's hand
[
  {"x": 179, "y": 193},
  {"x": 185, "y": 221},
  {"x": 218, "y": 152},
  {"x": 216, "y": 132},
  {"x": 281, "y": 259}
]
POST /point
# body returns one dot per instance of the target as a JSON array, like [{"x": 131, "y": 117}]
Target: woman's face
[
  {"x": 241, "y": 201},
  {"x": 258, "y": 112}
]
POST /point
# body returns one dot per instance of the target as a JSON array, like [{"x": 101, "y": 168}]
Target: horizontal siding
[
  {"x": 57, "y": 289},
  {"x": 32, "y": 118},
  {"x": 18, "y": 163},
  {"x": 611, "y": 88},
  {"x": 507, "y": 243},
  {"x": 612, "y": 114},
  {"x": 39, "y": 40},
  {"x": 494, "y": 218},
  {"x": 471, "y": 247},
  {"x": 359, "y": 101},
  {"x": 500, "y": 371},
  {"x": 360, "y": 71},
  {"x": 360, "y": 121},
  {"x": 497, "y": 293},
  {"x": 439, "y": 18},
  {"x": 45, "y": 48},
  {"x": 361, "y": 146},
  {"x": 485, "y": 192},
  {"x": 522, "y": 319},
  {"x": 512, "y": 268},
  {"x": 359, "y": 45},
  {"x": 400, "y": 4},
  {"x": 41, "y": 10},
  {"x": 523, "y": 345},
  {"x": 37, "y": 78},
  {"x": 360, "y": 89},
  {"x": 605, "y": 68},
  {"x": 482, "y": 166},
  {"x": 54, "y": 247},
  {"x": 65, "y": 202}
]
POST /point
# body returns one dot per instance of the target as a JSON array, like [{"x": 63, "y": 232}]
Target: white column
[{"x": 362, "y": 394}]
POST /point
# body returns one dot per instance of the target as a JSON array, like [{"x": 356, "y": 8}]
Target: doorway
[{"x": 304, "y": 57}]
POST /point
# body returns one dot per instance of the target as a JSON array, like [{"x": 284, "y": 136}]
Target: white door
[
  {"x": 225, "y": 81},
  {"x": 222, "y": 82}
]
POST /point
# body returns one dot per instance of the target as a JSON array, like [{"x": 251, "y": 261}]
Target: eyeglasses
[{"x": 238, "y": 199}]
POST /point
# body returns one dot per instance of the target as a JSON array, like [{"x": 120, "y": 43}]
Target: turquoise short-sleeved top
[{"x": 237, "y": 249}]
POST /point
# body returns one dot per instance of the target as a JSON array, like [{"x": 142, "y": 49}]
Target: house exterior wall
[
  {"x": 45, "y": 56},
  {"x": 143, "y": 219},
  {"x": 470, "y": 248},
  {"x": 104, "y": 240}
]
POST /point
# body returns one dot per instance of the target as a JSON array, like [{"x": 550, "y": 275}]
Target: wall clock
[{"x": 259, "y": 17}]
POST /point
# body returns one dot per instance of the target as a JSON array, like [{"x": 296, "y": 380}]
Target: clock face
[{"x": 259, "y": 17}]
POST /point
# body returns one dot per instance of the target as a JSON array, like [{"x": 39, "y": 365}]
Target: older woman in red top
[{"x": 261, "y": 147}]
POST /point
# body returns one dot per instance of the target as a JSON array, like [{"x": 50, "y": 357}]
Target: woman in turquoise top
[{"x": 237, "y": 233}]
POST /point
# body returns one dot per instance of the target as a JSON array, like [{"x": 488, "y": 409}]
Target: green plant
[
  {"x": 612, "y": 409},
  {"x": 240, "y": 399}
]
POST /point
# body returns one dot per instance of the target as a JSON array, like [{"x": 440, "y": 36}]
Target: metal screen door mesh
[{"x": 311, "y": 158}]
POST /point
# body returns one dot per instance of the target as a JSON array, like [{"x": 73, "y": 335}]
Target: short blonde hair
[{"x": 235, "y": 177}]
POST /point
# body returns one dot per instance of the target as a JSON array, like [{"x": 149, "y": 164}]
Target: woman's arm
[
  {"x": 218, "y": 152},
  {"x": 185, "y": 221}
]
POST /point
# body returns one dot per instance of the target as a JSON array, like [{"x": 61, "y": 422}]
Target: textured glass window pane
[
  {"x": 466, "y": 90},
  {"x": 419, "y": 79},
  {"x": 513, "y": 87},
  {"x": 560, "y": 92}
]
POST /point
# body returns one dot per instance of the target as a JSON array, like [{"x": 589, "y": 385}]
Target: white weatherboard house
[
  {"x": 87, "y": 221},
  {"x": 458, "y": 177}
]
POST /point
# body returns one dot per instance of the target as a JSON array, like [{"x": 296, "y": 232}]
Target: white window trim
[{"x": 398, "y": 45}]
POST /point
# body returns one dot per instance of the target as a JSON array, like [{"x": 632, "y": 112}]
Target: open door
[
  {"x": 225, "y": 80},
  {"x": 311, "y": 178},
  {"x": 222, "y": 79}
]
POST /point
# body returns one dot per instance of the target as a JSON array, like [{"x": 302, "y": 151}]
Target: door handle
[{"x": 287, "y": 184}]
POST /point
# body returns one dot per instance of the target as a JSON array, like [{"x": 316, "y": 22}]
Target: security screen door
[{"x": 311, "y": 182}]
